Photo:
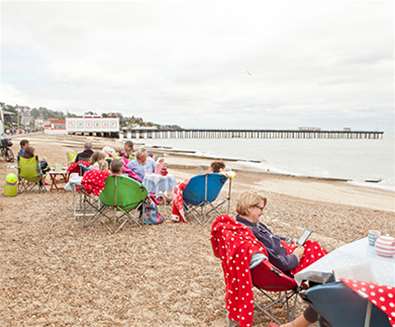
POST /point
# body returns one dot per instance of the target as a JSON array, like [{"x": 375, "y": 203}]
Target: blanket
[
  {"x": 94, "y": 181},
  {"x": 312, "y": 252},
  {"x": 177, "y": 205},
  {"x": 234, "y": 244}
]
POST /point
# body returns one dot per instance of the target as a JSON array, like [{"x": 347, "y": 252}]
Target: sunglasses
[{"x": 259, "y": 207}]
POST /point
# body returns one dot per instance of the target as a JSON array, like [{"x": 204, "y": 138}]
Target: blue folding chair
[
  {"x": 200, "y": 194},
  {"x": 342, "y": 307}
]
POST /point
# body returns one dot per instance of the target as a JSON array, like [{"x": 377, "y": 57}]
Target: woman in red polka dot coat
[{"x": 288, "y": 258}]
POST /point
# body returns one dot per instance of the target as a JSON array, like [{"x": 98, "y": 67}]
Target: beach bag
[{"x": 151, "y": 215}]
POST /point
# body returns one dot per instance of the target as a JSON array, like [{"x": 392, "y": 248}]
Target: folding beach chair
[
  {"x": 71, "y": 155},
  {"x": 280, "y": 289},
  {"x": 29, "y": 175},
  {"x": 341, "y": 306},
  {"x": 122, "y": 195},
  {"x": 200, "y": 194}
]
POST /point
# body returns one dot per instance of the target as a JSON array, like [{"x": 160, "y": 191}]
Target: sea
[{"x": 368, "y": 163}]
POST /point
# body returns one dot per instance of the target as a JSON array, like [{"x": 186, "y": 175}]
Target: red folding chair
[{"x": 279, "y": 288}]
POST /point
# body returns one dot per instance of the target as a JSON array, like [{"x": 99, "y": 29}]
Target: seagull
[{"x": 248, "y": 73}]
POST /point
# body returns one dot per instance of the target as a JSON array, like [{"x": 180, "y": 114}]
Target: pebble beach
[{"x": 55, "y": 272}]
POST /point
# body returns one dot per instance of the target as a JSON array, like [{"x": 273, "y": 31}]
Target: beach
[{"x": 54, "y": 272}]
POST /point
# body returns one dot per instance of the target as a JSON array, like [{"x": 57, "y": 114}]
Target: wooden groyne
[{"x": 247, "y": 134}]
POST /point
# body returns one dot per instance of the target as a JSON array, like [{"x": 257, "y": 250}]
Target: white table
[
  {"x": 158, "y": 184},
  {"x": 356, "y": 260}
]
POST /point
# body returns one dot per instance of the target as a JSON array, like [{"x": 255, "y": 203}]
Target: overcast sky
[{"x": 226, "y": 64}]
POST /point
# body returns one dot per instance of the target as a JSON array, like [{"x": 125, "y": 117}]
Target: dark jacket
[
  {"x": 277, "y": 254},
  {"x": 84, "y": 155}
]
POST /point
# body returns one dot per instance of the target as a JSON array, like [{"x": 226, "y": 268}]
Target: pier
[{"x": 141, "y": 133}]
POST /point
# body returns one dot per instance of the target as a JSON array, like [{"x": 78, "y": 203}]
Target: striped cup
[
  {"x": 385, "y": 246},
  {"x": 373, "y": 235}
]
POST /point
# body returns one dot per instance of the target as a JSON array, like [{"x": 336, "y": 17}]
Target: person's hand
[{"x": 299, "y": 251}]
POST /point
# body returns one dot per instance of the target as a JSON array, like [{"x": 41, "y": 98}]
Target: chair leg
[
  {"x": 91, "y": 221},
  {"x": 121, "y": 226},
  {"x": 129, "y": 217},
  {"x": 282, "y": 299}
]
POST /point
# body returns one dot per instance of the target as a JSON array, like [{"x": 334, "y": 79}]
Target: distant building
[
  {"x": 39, "y": 123},
  {"x": 54, "y": 126},
  {"x": 93, "y": 125},
  {"x": 25, "y": 116},
  {"x": 347, "y": 129}
]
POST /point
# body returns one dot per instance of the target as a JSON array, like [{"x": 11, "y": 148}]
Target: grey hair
[{"x": 88, "y": 146}]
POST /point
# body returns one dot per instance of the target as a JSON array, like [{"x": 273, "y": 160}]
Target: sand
[{"x": 54, "y": 272}]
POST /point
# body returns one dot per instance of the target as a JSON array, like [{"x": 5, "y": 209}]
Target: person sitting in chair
[
  {"x": 23, "y": 144},
  {"x": 42, "y": 165},
  {"x": 217, "y": 166},
  {"x": 116, "y": 167},
  {"x": 288, "y": 258},
  {"x": 142, "y": 164},
  {"x": 86, "y": 154},
  {"x": 250, "y": 208},
  {"x": 98, "y": 160}
]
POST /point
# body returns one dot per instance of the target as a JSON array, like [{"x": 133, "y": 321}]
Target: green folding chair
[
  {"x": 123, "y": 196},
  {"x": 29, "y": 175}
]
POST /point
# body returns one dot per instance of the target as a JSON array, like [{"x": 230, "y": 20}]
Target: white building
[{"x": 93, "y": 125}]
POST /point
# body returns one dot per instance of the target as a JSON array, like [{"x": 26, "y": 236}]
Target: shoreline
[
  {"x": 195, "y": 154},
  {"x": 242, "y": 165}
]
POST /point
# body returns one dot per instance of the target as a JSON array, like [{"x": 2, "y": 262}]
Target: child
[
  {"x": 24, "y": 144},
  {"x": 98, "y": 159},
  {"x": 161, "y": 167}
]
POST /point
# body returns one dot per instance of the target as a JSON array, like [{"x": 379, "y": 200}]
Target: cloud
[{"x": 187, "y": 62}]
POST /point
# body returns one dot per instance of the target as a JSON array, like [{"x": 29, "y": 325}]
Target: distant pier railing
[{"x": 136, "y": 133}]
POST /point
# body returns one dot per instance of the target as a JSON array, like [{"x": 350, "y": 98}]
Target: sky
[{"x": 206, "y": 63}]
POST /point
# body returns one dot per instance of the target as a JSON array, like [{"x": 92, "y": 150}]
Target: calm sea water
[{"x": 357, "y": 160}]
